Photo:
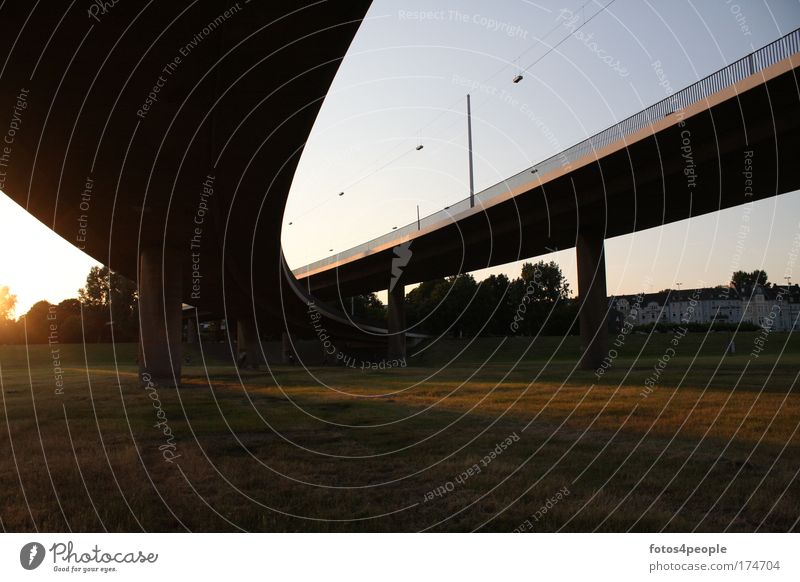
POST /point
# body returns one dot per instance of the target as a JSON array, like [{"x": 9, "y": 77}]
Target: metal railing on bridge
[{"x": 749, "y": 65}]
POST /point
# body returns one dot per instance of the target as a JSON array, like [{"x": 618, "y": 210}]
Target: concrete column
[
  {"x": 160, "y": 300},
  {"x": 247, "y": 341},
  {"x": 191, "y": 330},
  {"x": 397, "y": 322},
  {"x": 592, "y": 297}
]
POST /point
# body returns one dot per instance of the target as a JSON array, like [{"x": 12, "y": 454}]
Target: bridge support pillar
[
  {"x": 160, "y": 300},
  {"x": 592, "y": 300},
  {"x": 248, "y": 346},
  {"x": 397, "y": 322}
]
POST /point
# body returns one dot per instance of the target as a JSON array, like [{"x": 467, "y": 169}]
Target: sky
[{"x": 404, "y": 82}]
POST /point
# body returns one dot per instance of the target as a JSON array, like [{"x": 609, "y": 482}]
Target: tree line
[
  {"x": 538, "y": 301},
  {"x": 540, "y": 298},
  {"x": 107, "y": 297}
]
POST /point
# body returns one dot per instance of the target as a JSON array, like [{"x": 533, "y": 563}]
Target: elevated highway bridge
[
  {"x": 162, "y": 139},
  {"x": 728, "y": 139}
]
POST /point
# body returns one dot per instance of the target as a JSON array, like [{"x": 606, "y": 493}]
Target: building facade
[{"x": 773, "y": 307}]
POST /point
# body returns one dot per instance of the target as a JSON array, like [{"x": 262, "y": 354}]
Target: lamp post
[{"x": 469, "y": 145}]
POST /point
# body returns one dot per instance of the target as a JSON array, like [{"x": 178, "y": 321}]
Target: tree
[
  {"x": 105, "y": 287},
  {"x": 546, "y": 281},
  {"x": 422, "y": 301},
  {"x": 71, "y": 321},
  {"x": 36, "y": 323},
  {"x": 7, "y": 303},
  {"x": 499, "y": 297},
  {"x": 743, "y": 279},
  {"x": 367, "y": 307},
  {"x": 8, "y": 327},
  {"x": 109, "y": 297},
  {"x": 445, "y": 304},
  {"x": 541, "y": 299}
]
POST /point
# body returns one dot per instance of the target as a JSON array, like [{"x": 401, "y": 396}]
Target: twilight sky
[{"x": 404, "y": 82}]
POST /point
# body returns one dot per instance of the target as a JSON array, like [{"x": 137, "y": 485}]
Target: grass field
[{"x": 713, "y": 446}]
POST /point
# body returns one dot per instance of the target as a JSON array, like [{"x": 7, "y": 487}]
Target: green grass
[{"x": 713, "y": 447}]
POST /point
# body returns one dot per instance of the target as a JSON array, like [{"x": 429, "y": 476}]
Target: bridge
[
  {"x": 681, "y": 157},
  {"x": 163, "y": 142}
]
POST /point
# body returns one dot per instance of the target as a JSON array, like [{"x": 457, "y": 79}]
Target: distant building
[{"x": 775, "y": 307}]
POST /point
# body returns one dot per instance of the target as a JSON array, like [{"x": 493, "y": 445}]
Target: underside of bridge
[{"x": 163, "y": 142}]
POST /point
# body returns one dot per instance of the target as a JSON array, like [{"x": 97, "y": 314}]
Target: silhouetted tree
[
  {"x": 498, "y": 293},
  {"x": 743, "y": 279},
  {"x": 550, "y": 284},
  {"x": 421, "y": 302},
  {"x": 36, "y": 323},
  {"x": 109, "y": 297},
  {"x": 367, "y": 307},
  {"x": 541, "y": 299}
]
